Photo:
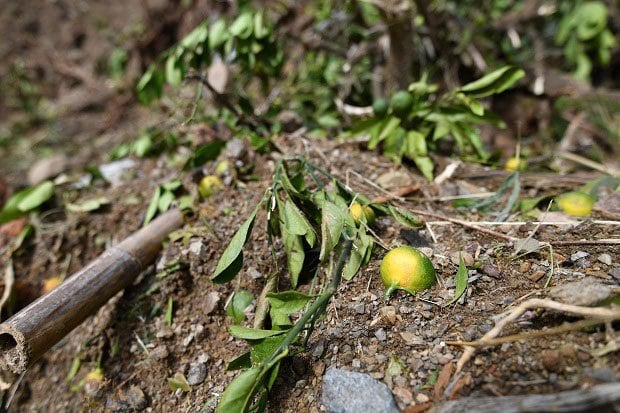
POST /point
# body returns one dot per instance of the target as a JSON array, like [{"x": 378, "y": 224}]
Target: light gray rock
[
  {"x": 47, "y": 168},
  {"x": 197, "y": 374},
  {"x": 351, "y": 392}
]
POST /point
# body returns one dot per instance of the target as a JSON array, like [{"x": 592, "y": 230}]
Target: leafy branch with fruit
[{"x": 326, "y": 233}]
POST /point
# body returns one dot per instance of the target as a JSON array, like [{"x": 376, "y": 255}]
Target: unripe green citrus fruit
[
  {"x": 358, "y": 211},
  {"x": 209, "y": 185},
  {"x": 380, "y": 107},
  {"x": 402, "y": 101},
  {"x": 576, "y": 203},
  {"x": 406, "y": 268}
]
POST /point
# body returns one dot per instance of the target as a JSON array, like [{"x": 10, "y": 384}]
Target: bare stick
[
  {"x": 600, "y": 313},
  {"x": 466, "y": 224},
  {"x": 32, "y": 331},
  {"x": 564, "y": 328}
]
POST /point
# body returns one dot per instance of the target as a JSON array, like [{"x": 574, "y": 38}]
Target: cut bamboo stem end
[{"x": 27, "y": 335}]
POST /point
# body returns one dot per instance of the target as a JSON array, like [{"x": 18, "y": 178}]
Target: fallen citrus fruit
[
  {"x": 406, "y": 268},
  {"x": 209, "y": 185},
  {"x": 402, "y": 101},
  {"x": 380, "y": 107},
  {"x": 515, "y": 164},
  {"x": 576, "y": 203},
  {"x": 358, "y": 212}
]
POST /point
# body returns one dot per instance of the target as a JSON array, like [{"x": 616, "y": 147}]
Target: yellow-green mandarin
[
  {"x": 406, "y": 268},
  {"x": 576, "y": 203},
  {"x": 358, "y": 211},
  {"x": 209, "y": 185},
  {"x": 515, "y": 164}
]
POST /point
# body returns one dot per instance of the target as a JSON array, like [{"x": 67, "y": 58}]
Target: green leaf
[
  {"x": 36, "y": 196},
  {"x": 239, "y": 394},
  {"x": 244, "y": 361},
  {"x": 294, "y": 247},
  {"x": 296, "y": 223},
  {"x": 425, "y": 165},
  {"x": 153, "y": 206},
  {"x": 218, "y": 34},
  {"x": 150, "y": 86},
  {"x": 460, "y": 279},
  {"x": 494, "y": 82},
  {"x": 231, "y": 260},
  {"x": 285, "y": 303},
  {"x": 178, "y": 381},
  {"x": 75, "y": 368},
  {"x": 592, "y": 19},
  {"x": 89, "y": 205},
  {"x": 172, "y": 185},
  {"x": 243, "y": 26},
  {"x": 386, "y": 128},
  {"x": 264, "y": 348},
  {"x": 195, "y": 37},
  {"x": 404, "y": 217},
  {"x": 260, "y": 29},
  {"x": 473, "y": 104},
  {"x": 165, "y": 200},
  {"x": 248, "y": 333},
  {"x": 142, "y": 145},
  {"x": 332, "y": 223},
  {"x": 168, "y": 315},
  {"x": 236, "y": 308},
  {"x": 204, "y": 154},
  {"x": 359, "y": 252},
  {"x": 174, "y": 69}
]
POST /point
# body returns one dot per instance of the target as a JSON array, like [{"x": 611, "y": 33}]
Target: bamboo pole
[{"x": 27, "y": 335}]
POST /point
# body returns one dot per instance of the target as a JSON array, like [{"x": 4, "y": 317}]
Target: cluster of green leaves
[
  {"x": 26, "y": 200},
  {"x": 314, "y": 225},
  {"x": 163, "y": 198},
  {"x": 249, "y": 41},
  {"x": 583, "y": 33},
  {"x": 152, "y": 142},
  {"x": 431, "y": 117}
]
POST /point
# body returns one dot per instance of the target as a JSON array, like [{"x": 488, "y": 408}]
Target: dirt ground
[{"x": 362, "y": 331}]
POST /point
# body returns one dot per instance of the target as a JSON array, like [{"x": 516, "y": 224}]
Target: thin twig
[
  {"x": 606, "y": 241},
  {"x": 466, "y": 224},
  {"x": 601, "y": 313},
  {"x": 564, "y": 328}
]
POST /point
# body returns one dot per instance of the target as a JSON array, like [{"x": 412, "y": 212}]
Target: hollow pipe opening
[{"x": 7, "y": 342}]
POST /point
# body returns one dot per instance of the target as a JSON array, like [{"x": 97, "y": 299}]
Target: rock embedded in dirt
[
  {"x": 605, "y": 259},
  {"x": 394, "y": 180},
  {"x": 235, "y": 148},
  {"x": 136, "y": 399},
  {"x": 197, "y": 374},
  {"x": 586, "y": 292},
  {"x": 491, "y": 270},
  {"x": 113, "y": 172},
  {"x": 551, "y": 360},
  {"x": 351, "y": 392},
  {"x": 578, "y": 256},
  {"x": 47, "y": 168},
  {"x": 615, "y": 272},
  {"x": 160, "y": 352},
  {"x": 197, "y": 249}
]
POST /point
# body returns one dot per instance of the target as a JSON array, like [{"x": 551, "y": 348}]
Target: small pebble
[
  {"x": 605, "y": 259},
  {"x": 615, "y": 272},
  {"x": 197, "y": 374},
  {"x": 381, "y": 334},
  {"x": 578, "y": 256},
  {"x": 135, "y": 398}
]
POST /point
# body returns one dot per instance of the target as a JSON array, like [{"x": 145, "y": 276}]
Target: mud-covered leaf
[
  {"x": 88, "y": 205},
  {"x": 404, "y": 217},
  {"x": 332, "y": 222},
  {"x": 178, "y": 381}
]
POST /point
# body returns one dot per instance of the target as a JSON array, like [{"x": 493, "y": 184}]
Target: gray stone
[
  {"x": 135, "y": 397},
  {"x": 113, "y": 172},
  {"x": 615, "y": 272},
  {"x": 197, "y": 249},
  {"x": 578, "y": 255},
  {"x": 605, "y": 259},
  {"x": 47, "y": 168},
  {"x": 235, "y": 148},
  {"x": 197, "y": 374},
  {"x": 588, "y": 292},
  {"x": 350, "y": 392},
  {"x": 381, "y": 334}
]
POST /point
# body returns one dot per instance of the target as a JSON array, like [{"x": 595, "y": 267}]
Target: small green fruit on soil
[
  {"x": 380, "y": 107},
  {"x": 358, "y": 211},
  {"x": 406, "y": 268},
  {"x": 576, "y": 203},
  {"x": 209, "y": 185},
  {"x": 402, "y": 102}
]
